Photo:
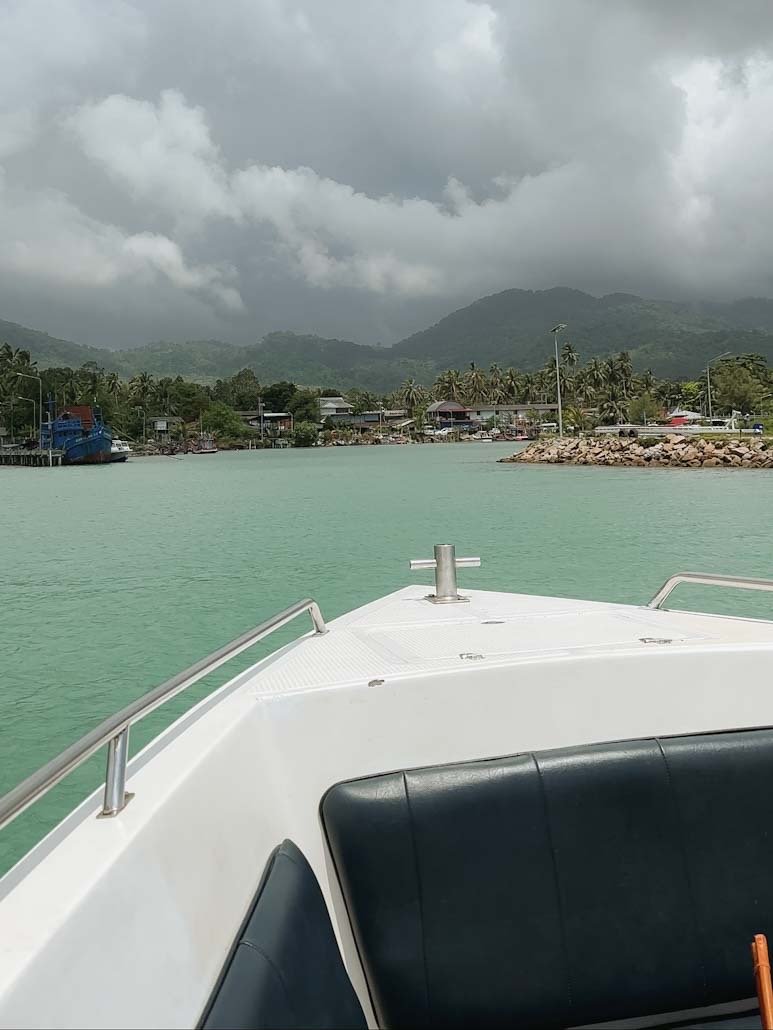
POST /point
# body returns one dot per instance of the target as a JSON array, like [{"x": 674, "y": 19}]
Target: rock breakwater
[{"x": 673, "y": 451}]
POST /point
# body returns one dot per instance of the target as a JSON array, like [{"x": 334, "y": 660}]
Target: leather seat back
[
  {"x": 285, "y": 969},
  {"x": 561, "y": 887}
]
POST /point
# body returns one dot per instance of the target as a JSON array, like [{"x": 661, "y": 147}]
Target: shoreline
[{"x": 673, "y": 451}]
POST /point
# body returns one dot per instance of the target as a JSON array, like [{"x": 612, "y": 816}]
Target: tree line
[
  {"x": 127, "y": 404},
  {"x": 599, "y": 391},
  {"x": 603, "y": 390}
]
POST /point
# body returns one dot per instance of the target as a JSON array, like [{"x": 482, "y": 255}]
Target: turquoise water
[{"x": 115, "y": 578}]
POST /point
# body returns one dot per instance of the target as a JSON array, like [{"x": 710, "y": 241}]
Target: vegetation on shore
[{"x": 597, "y": 392}]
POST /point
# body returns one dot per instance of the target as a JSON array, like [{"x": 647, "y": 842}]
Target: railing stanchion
[{"x": 116, "y": 798}]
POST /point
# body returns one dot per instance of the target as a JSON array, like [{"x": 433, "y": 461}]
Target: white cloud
[
  {"x": 162, "y": 152},
  {"x": 332, "y": 235},
  {"x": 48, "y": 240},
  {"x": 385, "y": 153},
  {"x": 151, "y": 251}
]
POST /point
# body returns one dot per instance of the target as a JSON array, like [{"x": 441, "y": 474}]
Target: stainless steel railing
[
  {"x": 114, "y": 731},
  {"x": 709, "y": 580}
]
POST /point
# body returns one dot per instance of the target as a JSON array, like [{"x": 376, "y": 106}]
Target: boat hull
[{"x": 92, "y": 449}]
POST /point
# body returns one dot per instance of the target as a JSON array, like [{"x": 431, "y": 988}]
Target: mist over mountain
[{"x": 511, "y": 328}]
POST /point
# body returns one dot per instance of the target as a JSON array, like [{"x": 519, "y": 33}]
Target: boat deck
[{"x": 402, "y": 635}]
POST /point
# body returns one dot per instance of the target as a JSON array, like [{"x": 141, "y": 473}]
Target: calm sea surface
[{"x": 113, "y": 579}]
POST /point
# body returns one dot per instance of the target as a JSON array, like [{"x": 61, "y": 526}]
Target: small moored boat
[
  {"x": 205, "y": 444},
  {"x": 119, "y": 450}
]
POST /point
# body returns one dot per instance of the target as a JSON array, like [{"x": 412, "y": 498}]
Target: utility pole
[
  {"x": 555, "y": 331},
  {"x": 724, "y": 354}
]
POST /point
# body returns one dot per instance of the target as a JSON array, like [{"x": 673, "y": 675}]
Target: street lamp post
[
  {"x": 555, "y": 331},
  {"x": 25, "y": 375},
  {"x": 144, "y": 431},
  {"x": 29, "y": 400},
  {"x": 724, "y": 354}
]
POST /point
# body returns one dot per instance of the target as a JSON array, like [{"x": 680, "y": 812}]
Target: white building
[{"x": 508, "y": 413}]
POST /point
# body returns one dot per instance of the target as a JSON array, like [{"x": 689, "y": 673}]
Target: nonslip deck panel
[
  {"x": 560, "y": 888},
  {"x": 286, "y": 970}
]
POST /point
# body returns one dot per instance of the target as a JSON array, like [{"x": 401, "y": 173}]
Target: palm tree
[
  {"x": 449, "y": 386},
  {"x": 584, "y": 389},
  {"x": 140, "y": 388},
  {"x": 575, "y": 417},
  {"x": 614, "y": 406},
  {"x": 595, "y": 372},
  {"x": 610, "y": 372},
  {"x": 530, "y": 386},
  {"x": 569, "y": 356},
  {"x": 624, "y": 371},
  {"x": 91, "y": 380},
  {"x": 113, "y": 385},
  {"x": 411, "y": 395},
  {"x": 548, "y": 381},
  {"x": 497, "y": 388},
  {"x": 162, "y": 396},
  {"x": 646, "y": 381},
  {"x": 514, "y": 384},
  {"x": 669, "y": 393},
  {"x": 475, "y": 385}
]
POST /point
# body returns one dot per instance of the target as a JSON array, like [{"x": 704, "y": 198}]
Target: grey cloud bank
[{"x": 357, "y": 169}]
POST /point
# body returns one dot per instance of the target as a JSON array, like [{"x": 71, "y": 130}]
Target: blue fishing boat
[{"x": 80, "y": 434}]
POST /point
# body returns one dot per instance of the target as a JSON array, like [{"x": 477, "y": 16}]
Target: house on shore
[
  {"x": 453, "y": 415},
  {"x": 337, "y": 412},
  {"x": 162, "y": 427},
  {"x": 509, "y": 414},
  {"x": 449, "y": 415},
  {"x": 335, "y": 408},
  {"x": 270, "y": 422}
]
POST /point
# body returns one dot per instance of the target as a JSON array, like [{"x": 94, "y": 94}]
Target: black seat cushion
[
  {"x": 286, "y": 969},
  {"x": 562, "y": 887}
]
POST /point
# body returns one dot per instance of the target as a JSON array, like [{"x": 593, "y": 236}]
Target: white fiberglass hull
[{"x": 127, "y": 921}]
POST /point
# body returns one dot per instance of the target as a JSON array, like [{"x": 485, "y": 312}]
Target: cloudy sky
[{"x": 187, "y": 169}]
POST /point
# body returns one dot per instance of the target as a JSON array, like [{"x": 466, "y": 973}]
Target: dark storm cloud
[{"x": 190, "y": 169}]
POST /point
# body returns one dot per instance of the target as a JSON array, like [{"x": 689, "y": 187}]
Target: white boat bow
[{"x": 129, "y": 920}]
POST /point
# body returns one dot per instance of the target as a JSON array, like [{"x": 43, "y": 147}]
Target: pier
[{"x": 32, "y": 458}]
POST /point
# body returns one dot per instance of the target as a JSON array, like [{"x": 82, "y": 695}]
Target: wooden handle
[{"x": 762, "y": 977}]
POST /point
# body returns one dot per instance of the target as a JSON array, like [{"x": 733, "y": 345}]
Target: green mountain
[
  {"x": 310, "y": 360},
  {"x": 47, "y": 350},
  {"x": 511, "y": 328}
]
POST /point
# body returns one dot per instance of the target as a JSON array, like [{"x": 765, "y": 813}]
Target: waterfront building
[
  {"x": 162, "y": 427},
  {"x": 334, "y": 406}
]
